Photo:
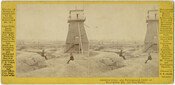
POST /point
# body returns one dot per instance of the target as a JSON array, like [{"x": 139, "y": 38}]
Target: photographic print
[{"x": 87, "y": 40}]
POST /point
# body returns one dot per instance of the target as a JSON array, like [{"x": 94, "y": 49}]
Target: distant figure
[
  {"x": 71, "y": 58},
  {"x": 43, "y": 54},
  {"x": 149, "y": 58},
  {"x": 121, "y": 55}
]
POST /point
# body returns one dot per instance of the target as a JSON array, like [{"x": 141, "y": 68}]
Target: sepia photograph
[{"x": 87, "y": 40}]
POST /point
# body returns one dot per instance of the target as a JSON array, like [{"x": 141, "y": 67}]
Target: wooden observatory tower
[
  {"x": 77, "y": 41},
  {"x": 151, "y": 43}
]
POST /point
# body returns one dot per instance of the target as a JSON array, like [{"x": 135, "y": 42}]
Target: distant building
[
  {"x": 151, "y": 43},
  {"x": 77, "y": 41}
]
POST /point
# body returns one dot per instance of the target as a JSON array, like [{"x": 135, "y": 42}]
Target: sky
[{"x": 104, "y": 21}]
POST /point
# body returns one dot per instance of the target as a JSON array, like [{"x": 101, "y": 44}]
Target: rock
[
  {"x": 113, "y": 60},
  {"x": 28, "y": 61}
]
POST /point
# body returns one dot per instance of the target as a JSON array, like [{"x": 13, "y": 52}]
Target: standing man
[
  {"x": 121, "y": 55},
  {"x": 149, "y": 58},
  {"x": 71, "y": 58},
  {"x": 43, "y": 54}
]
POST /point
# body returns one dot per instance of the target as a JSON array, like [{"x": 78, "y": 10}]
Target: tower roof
[
  {"x": 154, "y": 10},
  {"x": 77, "y": 10}
]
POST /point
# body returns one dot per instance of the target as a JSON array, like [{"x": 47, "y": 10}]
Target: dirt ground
[{"x": 103, "y": 64}]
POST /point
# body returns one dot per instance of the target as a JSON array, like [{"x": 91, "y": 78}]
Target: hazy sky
[{"x": 105, "y": 21}]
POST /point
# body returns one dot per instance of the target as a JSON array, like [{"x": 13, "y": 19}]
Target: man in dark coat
[
  {"x": 121, "y": 55},
  {"x": 43, "y": 54},
  {"x": 149, "y": 58},
  {"x": 71, "y": 58}
]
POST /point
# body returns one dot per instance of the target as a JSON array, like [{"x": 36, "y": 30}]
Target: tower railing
[{"x": 75, "y": 19}]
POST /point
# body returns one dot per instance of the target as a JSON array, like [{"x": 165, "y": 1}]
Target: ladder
[{"x": 150, "y": 47}]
